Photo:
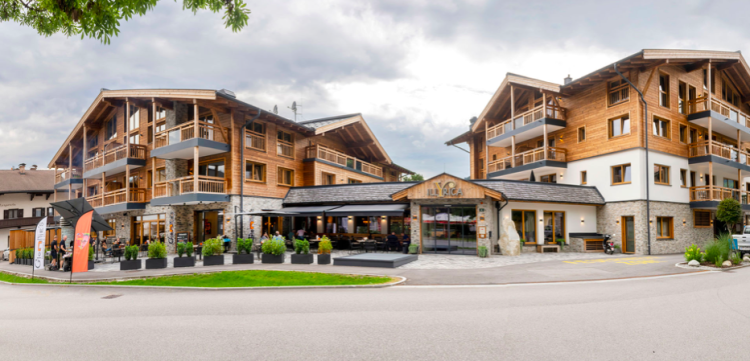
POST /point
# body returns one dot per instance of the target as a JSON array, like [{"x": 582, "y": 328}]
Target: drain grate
[{"x": 110, "y": 297}]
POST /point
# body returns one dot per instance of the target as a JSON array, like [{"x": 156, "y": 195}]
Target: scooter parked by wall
[{"x": 609, "y": 247}]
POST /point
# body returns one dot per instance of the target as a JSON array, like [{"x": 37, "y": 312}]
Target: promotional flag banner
[
  {"x": 39, "y": 247},
  {"x": 81, "y": 247}
]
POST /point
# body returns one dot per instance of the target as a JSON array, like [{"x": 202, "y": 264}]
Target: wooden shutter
[{"x": 5, "y": 214}]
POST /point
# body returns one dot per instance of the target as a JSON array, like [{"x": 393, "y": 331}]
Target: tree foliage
[
  {"x": 729, "y": 211},
  {"x": 100, "y": 19},
  {"x": 414, "y": 177}
]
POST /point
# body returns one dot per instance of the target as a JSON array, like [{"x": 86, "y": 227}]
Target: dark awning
[
  {"x": 369, "y": 210},
  {"x": 311, "y": 211},
  {"x": 268, "y": 213},
  {"x": 73, "y": 209}
]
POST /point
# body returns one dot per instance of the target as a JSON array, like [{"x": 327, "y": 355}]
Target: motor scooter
[{"x": 609, "y": 247}]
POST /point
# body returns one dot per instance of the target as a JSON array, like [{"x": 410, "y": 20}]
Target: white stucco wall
[
  {"x": 573, "y": 216},
  {"x": 16, "y": 201}
]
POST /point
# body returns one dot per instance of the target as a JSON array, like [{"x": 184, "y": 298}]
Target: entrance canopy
[
  {"x": 311, "y": 211},
  {"x": 369, "y": 210}
]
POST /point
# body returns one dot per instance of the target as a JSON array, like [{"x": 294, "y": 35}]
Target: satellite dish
[{"x": 275, "y": 109}]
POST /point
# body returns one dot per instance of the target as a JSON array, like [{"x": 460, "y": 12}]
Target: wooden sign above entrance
[{"x": 446, "y": 186}]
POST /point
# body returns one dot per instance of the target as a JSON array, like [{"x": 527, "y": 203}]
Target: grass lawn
[
  {"x": 253, "y": 279},
  {"x": 15, "y": 279}
]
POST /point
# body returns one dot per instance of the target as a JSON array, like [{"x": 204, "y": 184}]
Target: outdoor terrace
[
  {"x": 69, "y": 177},
  {"x": 527, "y": 125},
  {"x": 709, "y": 196},
  {"x": 335, "y": 158},
  {"x": 179, "y": 142},
  {"x": 709, "y": 151}
]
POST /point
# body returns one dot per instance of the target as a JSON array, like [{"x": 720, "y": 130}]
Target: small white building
[{"x": 25, "y": 195}]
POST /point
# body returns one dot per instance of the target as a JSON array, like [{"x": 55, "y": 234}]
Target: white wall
[
  {"x": 16, "y": 201},
  {"x": 573, "y": 216}
]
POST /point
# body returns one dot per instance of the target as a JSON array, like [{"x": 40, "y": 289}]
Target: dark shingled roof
[
  {"x": 40, "y": 181},
  {"x": 345, "y": 193},
  {"x": 322, "y": 122},
  {"x": 543, "y": 192}
]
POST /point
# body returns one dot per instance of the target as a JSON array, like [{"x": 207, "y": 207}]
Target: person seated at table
[
  {"x": 264, "y": 238},
  {"x": 103, "y": 245},
  {"x": 301, "y": 233},
  {"x": 405, "y": 240},
  {"x": 227, "y": 243},
  {"x": 392, "y": 241}
]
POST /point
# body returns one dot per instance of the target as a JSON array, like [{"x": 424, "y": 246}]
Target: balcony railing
[
  {"x": 255, "y": 141},
  {"x": 74, "y": 173},
  {"x": 137, "y": 151},
  {"x": 713, "y": 147},
  {"x": 718, "y": 194},
  {"x": 719, "y": 106},
  {"x": 321, "y": 152},
  {"x": 185, "y": 185},
  {"x": 542, "y": 111},
  {"x": 188, "y": 131},
  {"x": 137, "y": 195},
  {"x": 528, "y": 157},
  {"x": 285, "y": 149}
]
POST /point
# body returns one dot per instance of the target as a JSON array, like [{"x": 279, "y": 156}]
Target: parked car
[
  {"x": 743, "y": 240},
  {"x": 6, "y": 255}
]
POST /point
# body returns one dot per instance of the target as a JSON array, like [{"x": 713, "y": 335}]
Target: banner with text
[
  {"x": 39, "y": 246},
  {"x": 81, "y": 247}
]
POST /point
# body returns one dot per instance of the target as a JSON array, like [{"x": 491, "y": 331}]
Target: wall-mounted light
[
  {"x": 701, "y": 177},
  {"x": 582, "y": 220},
  {"x": 650, "y": 221},
  {"x": 319, "y": 217},
  {"x": 561, "y": 175},
  {"x": 541, "y": 220},
  {"x": 350, "y": 217},
  {"x": 617, "y": 221},
  {"x": 684, "y": 222},
  {"x": 383, "y": 217}
]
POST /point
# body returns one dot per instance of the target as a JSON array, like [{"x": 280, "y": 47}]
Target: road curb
[{"x": 711, "y": 269}]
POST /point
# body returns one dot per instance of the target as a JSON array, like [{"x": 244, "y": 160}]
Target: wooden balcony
[
  {"x": 187, "y": 185},
  {"x": 137, "y": 195},
  {"x": 67, "y": 174},
  {"x": 528, "y": 157},
  {"x": 717, "y": 194},
  {"x": 525, "y": 118},
  {"x": 191, "y": 130},
  {"x": 729, "y": 111},
  {"x": 341, "y": 159},
  {"x": 715, "y": 148},
  {"x": 113, "y": 155}
]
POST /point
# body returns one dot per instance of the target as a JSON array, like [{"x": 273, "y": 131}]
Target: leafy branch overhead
[{"x": 100, "y": 19}]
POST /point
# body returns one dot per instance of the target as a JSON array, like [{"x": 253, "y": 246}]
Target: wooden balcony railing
[
  {"x": 719, "y": 106},
  {"x": 255, "y": 141},
  {"x": 188, "y": 130},
  {"x": 185, "y": 185},
  {"x": 284, "y": 149},
  {"x": 96, "y": 201},
  {"x": 74, "y": 173},
  {"x": 528, "y": 157},
  {"x": 718, "y": 149},
  {"x": 137, "y": 151},
  {"x": 542, "y": 111},
  {"x": 321, "y": 152},
  {"x": 137, "y": 195},
  {"x": 715, "y": 193}
]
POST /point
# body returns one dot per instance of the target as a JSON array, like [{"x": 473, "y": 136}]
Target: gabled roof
[
  {"x": 322, "y": 122},
  {"x": 364, "y": 143},
  {"x": 345, "y": 193},
  {"x": 544, "y": 192},
  {"x": 468, "y": 188},
  {"x": 32, "y": 181}
]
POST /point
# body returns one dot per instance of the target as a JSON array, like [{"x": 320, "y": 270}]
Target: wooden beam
[
  {"x": 650, "y": 78},
  {"x": 689, "y": 68},
  {"x": 727, "y": 65}
]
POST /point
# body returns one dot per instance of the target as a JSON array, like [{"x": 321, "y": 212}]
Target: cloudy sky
[{"x": 418, "y": 70}]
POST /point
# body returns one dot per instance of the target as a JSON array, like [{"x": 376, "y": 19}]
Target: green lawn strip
[
  {"x": 5, "y": 277},
  {"x": 253, "y": 279}
]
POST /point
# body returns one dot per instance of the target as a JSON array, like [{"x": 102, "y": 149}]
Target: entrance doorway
[
  {"x": 449, "y": 229},
  {"x": 208, "y": 224},
  {"x": 148, "y": 228},
  {"x": 628, "y": 234}
]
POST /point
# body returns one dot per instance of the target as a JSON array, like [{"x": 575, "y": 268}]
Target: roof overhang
[
  {"x": 356, "y": 128},
  {"x": 448, "y": 187}
]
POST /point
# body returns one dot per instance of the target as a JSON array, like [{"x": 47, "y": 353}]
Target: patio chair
[
  {"x": 369, "y": 246},
  {"x": 380, "y": 245},
  {"x": 354, "y": 246}
]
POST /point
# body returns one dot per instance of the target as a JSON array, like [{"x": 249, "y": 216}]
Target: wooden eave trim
[
  {"x": 78, "y": 128},
  {"x": 338, "y": 124}
]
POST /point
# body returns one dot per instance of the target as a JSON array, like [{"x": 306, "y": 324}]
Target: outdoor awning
[
  {"x": 269, "y": 213},
  {"x": 369, "y": 210},
  {"x": 310, "y": 211}
]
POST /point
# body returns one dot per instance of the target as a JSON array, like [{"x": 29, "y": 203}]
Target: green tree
[
  {"x": 729, "y": 211},
  {"x": 414, "y": 177},
  {"x": 100, "y": 19}
]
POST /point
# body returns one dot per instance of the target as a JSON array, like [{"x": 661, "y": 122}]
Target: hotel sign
[{"x": 444, "y": 190}]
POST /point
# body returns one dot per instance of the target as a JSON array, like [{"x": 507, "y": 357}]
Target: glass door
[
  {"x": 449, "y": 230},
  {"x": 628, "y": 234}
]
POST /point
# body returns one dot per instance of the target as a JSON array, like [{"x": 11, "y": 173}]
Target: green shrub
[
  {"x": 730, "y": 212},
  {"x": 718, "y": 248},
  {"x": 131, "y": 253},
  {"x": 181, "y": 248},
  {"x": 719, "y": 261},
  {"x": 693, "y": 253},
  {"x": 413, "y": 248},
  {"x": 301, "y": 246},
  {"x": 157, "y": 250},
  {"x": 91, "y": 253},
  {"x": 189, "y": 249},
  {"x": 325, "y": 246},
  {"x": 561, "y": 242},
  {"x": 736, "y": 258},
  {"x": 275, "y": 246},
  {"x": 212, "y": 247},
  {"x": 483, "y": 251},
  {"x": 244, "y": 244},
  {"x": 29, "y": 253}
]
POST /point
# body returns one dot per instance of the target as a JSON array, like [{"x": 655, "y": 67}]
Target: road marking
[{"x": 631, "y": 261}]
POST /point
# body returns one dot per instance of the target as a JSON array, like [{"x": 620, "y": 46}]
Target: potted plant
[
  {"x": 157, "y": 256},
  {"x": 324, "y": 250},
  {"x": 131, "y": 261},
  {"x": 561, "y": 242},
  {"x": 29, "y": 255},
  {"x": 413, "y": 248},
  {"x": 243, "y": 245},
  {"x": 91, "y": 257},
  {"x": 184, "y": 248},
  {"x": 302, "y": 252},
  {"x": 273, "y": 250},
  {"x": 212, "y": 252},
  {"x": 483, "y": 251}
]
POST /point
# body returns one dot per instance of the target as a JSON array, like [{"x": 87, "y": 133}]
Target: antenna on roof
[
  {"x": 294, "y": 109},
  {"x": 275, "y": 109}
]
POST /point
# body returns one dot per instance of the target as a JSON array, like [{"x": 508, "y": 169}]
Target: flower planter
[
  {"x": 303, "y": 259},
  {"x": 213, "y": 260},
  {"x": 156, "y": 263},
  {"x": 324, "y": 258},
  {"x": 243, "y": 258},
  {"x": 130, "y": 265},
  {"x": 272, "y": 258},
  {"x": 184, "y": 261},
  {"x": 91, "y": 265}
]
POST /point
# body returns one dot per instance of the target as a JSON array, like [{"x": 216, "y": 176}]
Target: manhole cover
[{"x": 110, "y": 297}]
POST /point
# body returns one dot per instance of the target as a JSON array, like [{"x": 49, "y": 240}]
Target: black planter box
[
  {"x": 270, "y": 258},
  {"x": 243, "y": 258},
  {"x": 91, "y": 265},
  {"x": 324, "y": 258},
  {"x": 184, "y": 261},
  {"x": 130, "y": 265},
  {"x": 303, "y": 258},
  {"x": 213, "y": 260},
  {"x": 156, "y": 263}
]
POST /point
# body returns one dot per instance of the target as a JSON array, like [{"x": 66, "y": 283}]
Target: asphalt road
[{"x": 704, "y": 316}]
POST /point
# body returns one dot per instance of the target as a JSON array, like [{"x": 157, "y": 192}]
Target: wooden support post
[
  {"x": 512, "y": 109},
  {"x": 195, "y": 119},
  {"x": 544, "y": 130},
  {"x": 127, "y": 184},
  {"x": 708, "y": 81},
  {"x": 544, "y": 105},
  {"x": 153, "y": 177},
  {"x": 486, "y": 153},
  {"x": 512, "y": 151},
  {"x": 196, "y": 156},
  {"x": 153, "y": 123},
  {"x": 127, "y": 130}
]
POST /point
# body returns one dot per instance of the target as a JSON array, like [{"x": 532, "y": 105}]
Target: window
[
  {"x": 110, "y": 128},
  {"x": 619, "y": 126},
  {"x": 113, "y": 225},
  {"x": 728, "y": 93},
  {"x": 554, "y": 226},
  {"x": 705, "y": 79},
  {"x": 255, "y": 172},
  {"x": 134, "y": 181},
  {"x": 664, "y": 227},
  {"x": 12, "y": 213},
  {"x": 50, "y": 212},
  {"x": 328, "y": 179},
  {"x": 525, "y": 225},
  {"x": 135, "y": 139},
  {"x": 161, "y": 113},
  {"x": 682, "y": 98},
  {"x": 661, "y": 174},
  {"x": 621, "y": 174},
  {"x": 93, "y": 141},
  {"x": 38, "y": 212},
  {"x": 683, "y": 133},
  {"x": 731, "y": 183},
  {"x": 583, "y": 177},
  {"x": 286, "y": 177},
  {"x": 701, "y": 219},
  {"x": 619, "y": 91},
  {"x": 161, "y": 127},
  {"x": 664, "y": 90},
  {"x": 92, "y": 191},
  {"x": 353, "y": 181},
  {"x": 692, "y": 179},
  {"x": 683, "y": 177},
  {"x": 285, "y": 144},
  {"x": 256, "y": 137},
  {"x": 213, "y": 169},
  {"x": 135, "y": 118},
  {"x": 581, "y": 134},
  {"x": 661, "y": 128},
  {"x": 551, "y": 178},
  {"x": 161, "y": 174},
  {"x": 259, "y": 128}
]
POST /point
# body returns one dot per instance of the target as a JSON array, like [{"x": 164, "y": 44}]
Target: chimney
[
  {"x": 33, "y": 167},
  {"x": 22, "y": 168},
  {"x": 567, "y": 80}
]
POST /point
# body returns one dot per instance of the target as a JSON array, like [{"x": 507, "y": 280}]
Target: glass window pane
[
  {"x": 529, "y": 226},
  {"x": 627, "y": 173},
  {"x": 626, "y": 126},
  {"x": 617, "y": 175}
]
